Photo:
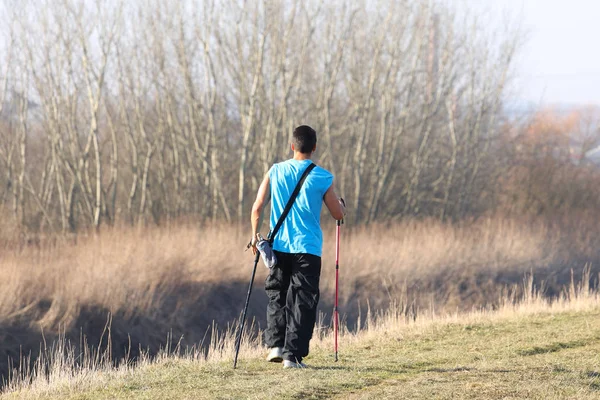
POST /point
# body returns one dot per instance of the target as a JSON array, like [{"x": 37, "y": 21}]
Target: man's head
[{"x": 304, "y": 139}]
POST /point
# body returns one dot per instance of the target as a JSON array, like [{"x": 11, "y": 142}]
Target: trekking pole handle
[{"x": 341, "y": 221}]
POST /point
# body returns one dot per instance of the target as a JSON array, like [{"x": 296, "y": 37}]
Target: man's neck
[{"x": 301, "y": 156}]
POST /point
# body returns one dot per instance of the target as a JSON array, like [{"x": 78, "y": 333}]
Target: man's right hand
[{"x": 334, "y": 204}]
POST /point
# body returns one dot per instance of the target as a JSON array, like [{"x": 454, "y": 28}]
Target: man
[{"x": 293, "y": 284}]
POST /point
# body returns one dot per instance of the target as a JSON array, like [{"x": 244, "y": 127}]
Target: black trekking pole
[{"x": 238, "y": 340}]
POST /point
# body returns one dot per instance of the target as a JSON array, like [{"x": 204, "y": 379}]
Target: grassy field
[
  {"x": 534, "y": 349},
  {"x": 129, "y": 292}
]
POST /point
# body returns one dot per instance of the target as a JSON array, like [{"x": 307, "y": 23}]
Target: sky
[{"x": 559, "y": 63}]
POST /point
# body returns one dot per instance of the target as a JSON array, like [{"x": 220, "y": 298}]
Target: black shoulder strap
[{"x": 290, "y": 202}]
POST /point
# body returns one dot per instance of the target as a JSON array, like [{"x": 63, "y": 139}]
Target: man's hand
[
  {"x": 257, "y": 207},
  {"x": 253, "y": 242},
  {"x": 334, "y": 205}
]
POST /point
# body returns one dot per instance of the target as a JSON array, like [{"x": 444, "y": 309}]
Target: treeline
[{"x": 151, "y": 111}]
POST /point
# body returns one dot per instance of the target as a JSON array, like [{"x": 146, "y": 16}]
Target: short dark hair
[{"x": 304, "y": 139}]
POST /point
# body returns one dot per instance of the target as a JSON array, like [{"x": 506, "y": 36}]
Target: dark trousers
[{"x": 293, "y": 290}]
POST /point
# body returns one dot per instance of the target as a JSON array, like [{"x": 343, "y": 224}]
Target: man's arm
[
  {"x": 334, "y": 204},
  {"x": 257, "y": 208}
]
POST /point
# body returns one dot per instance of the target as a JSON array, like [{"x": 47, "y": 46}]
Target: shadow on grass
[
  {"x": 558, "y": 346},
  {"x": 456, "y": 369}
]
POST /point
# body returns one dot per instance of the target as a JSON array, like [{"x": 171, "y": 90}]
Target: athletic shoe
[
  {"x": 275, "y": 355},
  {"x": 291, "y": 364}
]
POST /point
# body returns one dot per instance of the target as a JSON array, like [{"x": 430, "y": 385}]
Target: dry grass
[
  {"x": 121, "y": 270},
  {"x": 463, "y": 265},
  {"x": 530, "y": 347},
  {"x": 147, "y": 283},
  {"x": 150, "y": 283}
]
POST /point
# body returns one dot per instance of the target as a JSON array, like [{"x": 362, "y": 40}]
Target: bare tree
[{"x": 159, "y": 110}]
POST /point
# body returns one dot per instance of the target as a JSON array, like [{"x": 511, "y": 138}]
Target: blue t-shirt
[{"x": 301, "y": 230}]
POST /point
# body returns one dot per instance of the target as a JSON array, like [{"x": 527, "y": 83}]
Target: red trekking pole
[{"x": 336, "y": 315}]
